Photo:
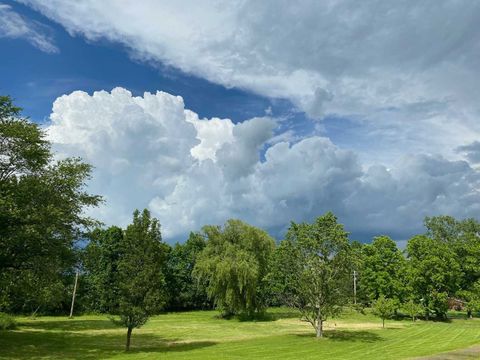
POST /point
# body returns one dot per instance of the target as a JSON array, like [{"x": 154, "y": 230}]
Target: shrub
[{"x": 7, "y": 322}]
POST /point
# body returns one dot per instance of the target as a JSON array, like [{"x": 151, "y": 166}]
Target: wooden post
[
  {"x": 354, "y": 287},
  {"x": 73, "y": 295}
]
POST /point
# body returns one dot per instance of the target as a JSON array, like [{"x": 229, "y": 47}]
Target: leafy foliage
[
  {"x": 384, "y": 308},
  {"x": 234, "y": 265},
  {"x": 42, "y": 205},
  {"x": 141, "y": 283},
  {"x": 384, "y": 270},
  {"x": 7, "y": 322},
  {"x": 283, "y": 276},
  {"x": 184, "y": 291},
  {"x": 413, "y": 309},
  {"x": 100, "y": 263},
  {"x": 23, "y": 149},
  {"x": 463, "y": 237},
  {"x": 434, "y": 273},
  {"x": 321, "y": 259},
  {"x": 471, "y": 298}
]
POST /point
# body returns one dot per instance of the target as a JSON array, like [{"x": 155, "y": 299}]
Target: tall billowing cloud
[
  {"x": 15, "y": 26},
  {"x": 140, "y": 147},
  {"x": 152, "y": 152}
]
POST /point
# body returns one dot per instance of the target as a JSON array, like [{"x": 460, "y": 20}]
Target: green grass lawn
[{"x": 202, "y": 335}]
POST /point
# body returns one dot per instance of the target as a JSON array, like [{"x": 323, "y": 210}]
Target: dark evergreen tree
[
  {"x": 100, "y": 264},
  {"x": 185, "y": 292},
  {"x": 141, "y": 282}
]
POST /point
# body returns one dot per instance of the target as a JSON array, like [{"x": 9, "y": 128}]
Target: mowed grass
[{"x": 202, "y": 335}]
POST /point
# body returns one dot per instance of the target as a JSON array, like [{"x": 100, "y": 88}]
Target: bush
[
  {"x": 7, "y": 322},
  {"x": 359, "y": 308}
]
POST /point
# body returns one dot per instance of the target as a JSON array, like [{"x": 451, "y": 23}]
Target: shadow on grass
[
  {"x": 70, "y": 324},
  {"x": 268, "y": 316},
  {"x": 346, "y": 335},
  {"x": 263, "y": 317},
  {"x": 18, "y": 345}
]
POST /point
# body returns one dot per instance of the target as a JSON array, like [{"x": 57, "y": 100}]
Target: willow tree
[
  {"x": 234, "y": 265},
  {"x": 319, "y": 283}
]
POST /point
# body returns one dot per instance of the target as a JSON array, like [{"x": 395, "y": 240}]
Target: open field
[{"x": 201, "y": 335}]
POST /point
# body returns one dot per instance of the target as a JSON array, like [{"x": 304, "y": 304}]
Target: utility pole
[
  {"x": 354, "y": 287},
  {"x": 73, "y": 295}
]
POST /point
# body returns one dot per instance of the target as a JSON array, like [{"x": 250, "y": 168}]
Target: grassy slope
[{"x": 200, "y": 335}]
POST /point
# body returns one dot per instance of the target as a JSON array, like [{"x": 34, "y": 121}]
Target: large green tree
[
  {"x": 184, "y": 291},
  {"x": 23, "y": 148},
  {"x": 463, "y": 238},
  {"x": 141, "y": 282},
  {"x": 320, "y": 282},
  {"x": 234, "y": 265},
  {"x": 42, "y": 205},
  {"x": 442, "y": 228},
  {"x": 283, "y": 276},
  {"x": 100, "y": 265},
  {"x": 383, "y": 270},
  {"x": 433, "y": 273}
]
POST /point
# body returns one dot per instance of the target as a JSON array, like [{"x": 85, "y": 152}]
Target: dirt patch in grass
[
  {"x": 332, "y": 325},
  {"x": 462, "y": 354}
]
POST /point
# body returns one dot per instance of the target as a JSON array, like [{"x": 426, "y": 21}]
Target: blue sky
[
  {"x": 286, "y": 111},
  {"x": 35, "y": 78}
]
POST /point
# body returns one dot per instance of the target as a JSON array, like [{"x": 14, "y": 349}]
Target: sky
[{"x": 266, "y": 111}]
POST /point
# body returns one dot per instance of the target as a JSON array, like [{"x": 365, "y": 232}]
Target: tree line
[{"x": 237, "y": 268}]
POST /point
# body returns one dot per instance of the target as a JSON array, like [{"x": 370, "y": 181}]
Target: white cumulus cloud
[{"x": 151, "y": 152}]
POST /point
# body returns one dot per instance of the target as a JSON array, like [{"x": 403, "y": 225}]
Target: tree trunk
[
  {"x": 74, "y": 293},
  {"x": 34, "y": 313},
  {"x": 383, "y": 323},
  {"x": 320, "y": 329},
  {"x": 129, "y": 335}
]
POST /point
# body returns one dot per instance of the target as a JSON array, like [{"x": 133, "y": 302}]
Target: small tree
[
  {"x": 141, "y": 281},
  {"x": 413, "y": 309},
  {"x": 384, "y": 308}
]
